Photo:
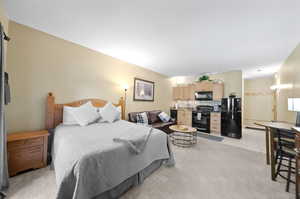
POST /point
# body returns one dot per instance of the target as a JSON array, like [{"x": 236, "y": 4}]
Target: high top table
[
  {"x": 297, "y": 130},
  {"x": 270, "y": 142}
]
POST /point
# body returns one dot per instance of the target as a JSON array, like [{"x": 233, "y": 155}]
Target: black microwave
[{"x": 204, "y": 95}]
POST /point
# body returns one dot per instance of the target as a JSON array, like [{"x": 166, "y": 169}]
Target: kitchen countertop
[
  {"x": 192, "y": 109},
  {"x": 182, "y": 108}
]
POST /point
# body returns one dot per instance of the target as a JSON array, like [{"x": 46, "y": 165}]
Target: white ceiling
[
  {"x": 261, "y": 71},
  {"x": 173, "y": 37}
]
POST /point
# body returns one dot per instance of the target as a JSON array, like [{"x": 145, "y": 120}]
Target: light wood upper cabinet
[
  {"x": 180, "y": 93},
  {"x": 204, "y": 86},
  {"x": 176, "y": 93},
  {"x": 183, "y": 92},
  {"x": 218, "y": 91},
  {"x": 191, "y": 92},
  {"x": 187, "y": 92}
]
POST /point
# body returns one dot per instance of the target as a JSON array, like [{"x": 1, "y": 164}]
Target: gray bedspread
[
  {"x": 88, "y": 162},
  {"x": 135, "y": 140}
]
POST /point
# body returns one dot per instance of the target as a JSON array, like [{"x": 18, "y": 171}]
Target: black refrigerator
[{"x": 231, "y": 117}]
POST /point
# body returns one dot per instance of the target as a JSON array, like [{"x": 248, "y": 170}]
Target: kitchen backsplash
[{"x": 192, "y": 104}]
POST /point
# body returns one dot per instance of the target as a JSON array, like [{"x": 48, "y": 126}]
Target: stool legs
[
  {"x": 278, "y": 165},
  {"x": 289, "y": 176}
]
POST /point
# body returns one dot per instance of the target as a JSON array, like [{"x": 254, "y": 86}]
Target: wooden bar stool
[{"x": 285, "y": 153}]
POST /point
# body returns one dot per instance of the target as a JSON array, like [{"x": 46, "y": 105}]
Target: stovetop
[{"x": 202, "y": 108}]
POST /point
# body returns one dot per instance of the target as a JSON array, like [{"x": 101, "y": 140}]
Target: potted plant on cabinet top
[{"x": 204, "y": 78}]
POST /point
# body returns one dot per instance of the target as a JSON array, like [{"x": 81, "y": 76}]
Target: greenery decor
[{"x": 204, "y": 78}]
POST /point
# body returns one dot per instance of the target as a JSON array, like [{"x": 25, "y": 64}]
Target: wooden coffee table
[{"x": 184, "y": 136}]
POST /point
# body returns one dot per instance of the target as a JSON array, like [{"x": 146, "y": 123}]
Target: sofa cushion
[
  {"x": 153, "y": 116},
  {"x": 132, "y": 116}
]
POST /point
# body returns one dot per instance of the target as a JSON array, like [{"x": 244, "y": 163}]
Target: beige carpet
[{"x": 210, "y": 170}]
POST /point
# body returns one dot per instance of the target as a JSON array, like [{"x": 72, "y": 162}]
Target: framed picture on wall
[{"x": 143, "y": 90}]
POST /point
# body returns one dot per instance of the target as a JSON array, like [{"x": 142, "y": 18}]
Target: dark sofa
[{"x": 153, "y": 120}]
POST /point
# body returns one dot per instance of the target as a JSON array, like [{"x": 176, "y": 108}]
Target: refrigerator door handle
[
  {"x": 228, "y": 105},
  {"x": 232, "y": 111}
]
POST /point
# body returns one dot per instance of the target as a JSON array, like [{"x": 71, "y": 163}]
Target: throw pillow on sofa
[
  {"x": 142, "y": 118},
  {"x": 164, "y": 117}
]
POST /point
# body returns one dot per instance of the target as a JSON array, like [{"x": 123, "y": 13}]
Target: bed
[{"x": 88, "y": 163}]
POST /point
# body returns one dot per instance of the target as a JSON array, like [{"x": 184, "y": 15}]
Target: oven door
[
  {"x": 201, "y": 122},
  {"x": 204, "y": 96}
]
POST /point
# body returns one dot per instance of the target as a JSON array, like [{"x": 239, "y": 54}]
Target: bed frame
[{"x": 54, "y": 112}]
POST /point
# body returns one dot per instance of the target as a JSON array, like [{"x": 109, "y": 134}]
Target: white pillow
[
  {"x": 85, "y": 114},
  {"x": 118, "y": 117},
  {"x": 68, "y": 118},
  {"x": 109, "y": 113},
  {"x": 142, "y": 118},
  {"x": 164, "y": 117}
]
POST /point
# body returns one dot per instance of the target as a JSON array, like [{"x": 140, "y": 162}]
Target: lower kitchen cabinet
[
  {"x": 215, "y": 123},
  {"x": 184, "y": 117}
]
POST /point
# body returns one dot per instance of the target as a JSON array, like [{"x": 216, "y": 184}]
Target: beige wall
[
  {"x": 3, "y": 17},
  {"x": 289, "y": 74},
  {"x": 233, "y": 81},
  {"x": 39, "y": 63},
  {"x": 258, "y": 100},
  {"x": 4, "y": 21}
]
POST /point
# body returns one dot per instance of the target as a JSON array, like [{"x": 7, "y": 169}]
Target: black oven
[
  {"x": 204, "y": 95},
  {"x": 201, "y": 118}
]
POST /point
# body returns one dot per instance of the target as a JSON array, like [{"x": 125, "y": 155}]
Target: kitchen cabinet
[
  {"x": 184, "y": 117},
  {"x": 181, "y": 93},
  {"x": 218, "y": 91},
  {"x": 176, "y": 93},
  {"x": 215, "y": 123},
  {"x": 187, "y": 92},
  {"x": 190, "y": 92},
  {"x": 204, "y": 86}
]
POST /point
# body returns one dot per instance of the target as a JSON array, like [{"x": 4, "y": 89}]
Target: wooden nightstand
[{"x": 27, "y": 150}]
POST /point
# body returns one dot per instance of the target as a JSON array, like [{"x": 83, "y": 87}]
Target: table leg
[
  {"x": 297, "y": 177},
  {"x": 271, "y": 131},
  {"x": 267, "y": 145}
]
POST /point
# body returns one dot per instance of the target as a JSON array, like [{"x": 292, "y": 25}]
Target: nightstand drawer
[
  {"x": 20, "y": 160},
  {"x": 29, "y": 153},
  {"x": 25, "y": 143},
  {"x": 27, "y": 150}
]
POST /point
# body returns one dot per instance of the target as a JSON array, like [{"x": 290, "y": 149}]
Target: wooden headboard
[{"x": 54, "y": 112}]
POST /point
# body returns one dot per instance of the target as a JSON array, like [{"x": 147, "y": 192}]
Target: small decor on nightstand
[{"x": 27, "y": 150}]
